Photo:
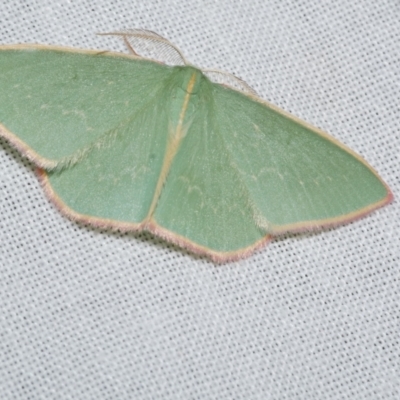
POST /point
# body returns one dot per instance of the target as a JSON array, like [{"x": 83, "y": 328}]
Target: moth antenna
[
  {"x": 232, "y": 80},
  {"x": 149, "y": 36},
  {"x": 128, "y": 45}
]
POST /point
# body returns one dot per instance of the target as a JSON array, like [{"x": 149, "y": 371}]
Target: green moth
[{"x": 129, "y": 143}]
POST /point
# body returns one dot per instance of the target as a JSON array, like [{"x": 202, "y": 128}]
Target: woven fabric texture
[{"x": 89, "y": 314}]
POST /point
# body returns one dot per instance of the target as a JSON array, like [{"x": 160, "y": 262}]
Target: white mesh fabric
[{"x": 86, "y": 314}]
